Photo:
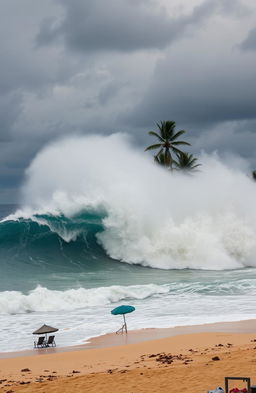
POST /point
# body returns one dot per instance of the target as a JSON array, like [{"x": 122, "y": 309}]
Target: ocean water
[{"x": 87, "y": 237}]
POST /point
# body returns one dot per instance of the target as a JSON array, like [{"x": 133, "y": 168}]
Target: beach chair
[
  {"x": 244, "y": 379},
  {"x": 51, "y": 341},
  {"x": 40, "y": 343}
]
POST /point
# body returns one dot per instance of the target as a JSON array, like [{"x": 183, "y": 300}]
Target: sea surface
[
  {"x": 75, "y": 285},
  {"x": 91, "y": 234}
]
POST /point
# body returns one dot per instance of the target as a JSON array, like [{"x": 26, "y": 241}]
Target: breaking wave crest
[
  {"x": 43, "y": 300},
  {"x": 103, "y": 195}
]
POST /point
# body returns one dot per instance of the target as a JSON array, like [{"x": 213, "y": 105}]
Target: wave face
[
  {"x": 51, "y": 234},
  {"x": 42, "y": 299},
  {"x": 90, "y": 196}
]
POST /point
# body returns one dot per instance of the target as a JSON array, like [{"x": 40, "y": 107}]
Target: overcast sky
[{"x": 102, "y": 66}]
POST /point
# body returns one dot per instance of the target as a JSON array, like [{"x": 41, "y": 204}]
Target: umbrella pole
[{"x": 125, "y": 325}]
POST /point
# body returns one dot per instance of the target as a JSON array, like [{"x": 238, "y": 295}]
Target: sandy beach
[{"x": 192, "y": 359}]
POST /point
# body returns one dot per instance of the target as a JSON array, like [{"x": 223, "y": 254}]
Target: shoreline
[
  {"x": 136, "y": 336},
  {"x": 192, "y": 358}
]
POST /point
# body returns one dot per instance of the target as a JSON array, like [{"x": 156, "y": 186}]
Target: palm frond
[
  {"x": 179, "y": 133},
  {"x": 175, "y": 163},
  {"x": 195, "y": 166},
  {"x": 186, "y": 162},
  {"x": 160, "y": 159},
  {"x": 152, "y": 147},
  {"x": 170, "y": 125},
  {"x": 169, "y": 129},
  {"x": 162, "y": 129},
  {"x": 177, "y": 151},
  {"x": 156, "y": 135},
  {"x": 169, "y": 142},
  {"x": 181, "y": 143},
  {"x": 193, "y": 161},
  {"x": 160, "y": 151}
]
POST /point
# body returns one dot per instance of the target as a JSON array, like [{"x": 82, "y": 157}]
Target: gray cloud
[
  {"x": 250, "y": 42},
  {"x": 116, "y": 25},
  {"x": 22, "y": 67},
  {"x": 91, "y": 66},
  {"x": 122, "y": 25},
  {"x": 231, "y": 138},
  {"x": 200, "y": 88},
  {"x": 109, "y": 91},
  {"x": 10, "y": 109},
  {"x": 14, "y": 158}
]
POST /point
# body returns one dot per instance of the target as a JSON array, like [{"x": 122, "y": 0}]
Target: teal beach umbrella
[{"x": 122, "y": 310}]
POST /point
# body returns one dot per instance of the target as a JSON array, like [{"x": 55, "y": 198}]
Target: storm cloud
[
  {"x": 250, "y": 42},
  {"x": 125, "y": 25},
  {"x": 91, "y": 66},
  {"x": 119, "y": 25},
  {"x": 207, "y": 90}
]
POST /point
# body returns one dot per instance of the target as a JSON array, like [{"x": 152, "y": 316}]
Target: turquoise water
[
  {"x": 54, "y": 270},
  {"x": 92, "y": 234}
]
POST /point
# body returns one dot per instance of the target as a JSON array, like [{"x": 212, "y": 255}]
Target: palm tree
[
  {"x": 186, "y": 162},
  {"x": 160, "y": 159},
  {"x": 167, "y": 138},
  {"x": 254, "y": 175}
]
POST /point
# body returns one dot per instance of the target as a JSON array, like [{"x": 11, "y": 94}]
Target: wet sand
[{"x": 191, "y": 358}]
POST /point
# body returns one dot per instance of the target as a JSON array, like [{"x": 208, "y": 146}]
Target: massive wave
[{"x": 101, "y": 194}]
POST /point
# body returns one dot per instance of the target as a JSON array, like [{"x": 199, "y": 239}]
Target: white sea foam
[
  {"x": 45, "y": 300},
  {"x": 42, "y": 299},
  {"x": 83, "y": 313},
  {"x": 153, "y": 217}
]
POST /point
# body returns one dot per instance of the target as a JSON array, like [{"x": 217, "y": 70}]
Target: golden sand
[{"x": 183, "y": 362}]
